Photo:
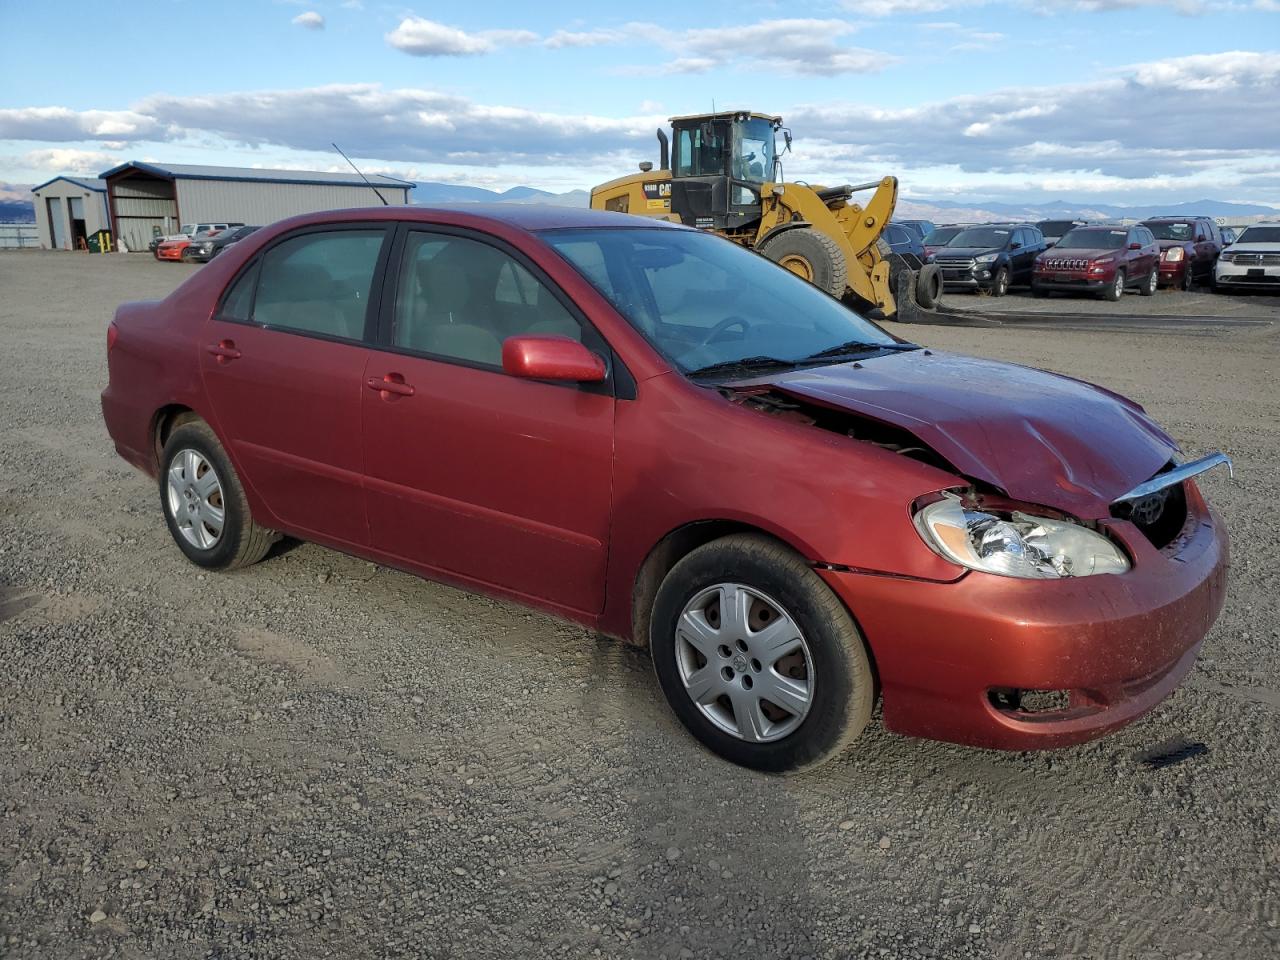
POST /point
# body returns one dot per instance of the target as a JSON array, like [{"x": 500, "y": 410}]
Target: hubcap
[
  {"x": 1119, "y": 283},
  {"x": 195, "y": 499},
  {"x": 744, "y": 662},
  {"x": 799, "y": 266}
]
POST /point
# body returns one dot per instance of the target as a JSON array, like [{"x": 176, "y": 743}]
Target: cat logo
[{"x": 658, "y": 195}]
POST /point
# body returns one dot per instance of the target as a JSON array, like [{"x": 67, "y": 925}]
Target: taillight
[{"x": 112, "y": 333}]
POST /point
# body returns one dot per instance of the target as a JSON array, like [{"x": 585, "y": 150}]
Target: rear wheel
[
  {"x": 1116, "y": 290},
  {"x": 758, "y": 658},
  {"x": 1148, "y": 288},
  {"x": 812, "y": 256},
  {"x": 204, "y": 503}
]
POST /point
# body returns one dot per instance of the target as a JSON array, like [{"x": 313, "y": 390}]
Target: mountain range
[{"x": 428, "y": 192}]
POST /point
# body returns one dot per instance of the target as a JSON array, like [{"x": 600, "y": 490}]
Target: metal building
[
  {"x": 69, "y": 210},
  {"x": 146, "y": 199}
]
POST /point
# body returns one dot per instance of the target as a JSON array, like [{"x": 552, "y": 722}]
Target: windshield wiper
[
  {"x": 852, "y": 347},
  {"x": 743, "y": 364}
]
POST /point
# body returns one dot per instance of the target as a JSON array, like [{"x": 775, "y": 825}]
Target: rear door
[
  {"x": 499, "y": 480},
  {"x": 283, "y": 360}
]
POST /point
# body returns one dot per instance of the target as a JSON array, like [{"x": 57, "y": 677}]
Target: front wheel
[
  {"x": 810, "y": 255},
  {"x": 1116, "y": 290},
  {"x": 1000, "y": 283},
  {"x": 1188, "y": 278},
  {"x": 1148, "y": 288},
  {"x": 204, "y": 503},
  {"x": 758, "y": 658}
]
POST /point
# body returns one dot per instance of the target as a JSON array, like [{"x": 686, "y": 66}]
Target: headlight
[
  {"x": 1228, "y": 257},
  {"x": 1016, "y": 544},
  {"x": 986, "y": 258},
  {"x": 1174, "y": 254}
]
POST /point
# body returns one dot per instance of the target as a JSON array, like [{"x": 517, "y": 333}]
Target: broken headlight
[{"x": 1016, "y": 544}]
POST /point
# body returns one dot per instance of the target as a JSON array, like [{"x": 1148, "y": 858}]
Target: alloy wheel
[
  {"x": 1119, "y": 285},
  {"x": 744, "y": 662},
  {"x": 195, "y": 499}
]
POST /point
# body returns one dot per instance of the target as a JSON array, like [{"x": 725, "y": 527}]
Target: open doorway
[{"x": 79, "y": 232}]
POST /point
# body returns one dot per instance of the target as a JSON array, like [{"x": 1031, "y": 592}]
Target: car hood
[
  {"x": 1040, "y": 437},
  {"x": 967, "y": 251},
  {"x": 1082, "y": 253},
  {"x": 1260, "y": 247}
]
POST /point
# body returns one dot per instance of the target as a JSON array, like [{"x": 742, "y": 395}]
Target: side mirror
[
  {"x": 1135, "y": 246},
  {"x": 550, "y": 357},
  {"x": 1015, "y": 245}
]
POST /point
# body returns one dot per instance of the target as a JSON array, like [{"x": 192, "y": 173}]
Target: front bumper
[
  {"x": 1118, "y": 644},
  {"x": 1242, "y": 275},
  {"x": 1172, "y": 273},
  {"x": 1073, "y": 281}
]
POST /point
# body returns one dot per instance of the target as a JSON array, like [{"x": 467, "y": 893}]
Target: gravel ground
[
  {"x": 1201, "y": 302},
  {"x": 317, "y": 757}
]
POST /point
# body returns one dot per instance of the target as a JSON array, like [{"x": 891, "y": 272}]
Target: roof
[
  {"x": 530, "y": 216},
  {"x": 89, "y": 183},
  {"x": 729, "y": 115},
  {"x": 191, "y": 171}
]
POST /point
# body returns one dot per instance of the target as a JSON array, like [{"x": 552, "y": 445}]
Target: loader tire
[
  {"x": 929, "y": 286},
  {"x": 812, "y": 256}
]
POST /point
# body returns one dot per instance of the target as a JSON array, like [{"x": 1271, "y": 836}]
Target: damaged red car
[{"x": 664, "y": 437}]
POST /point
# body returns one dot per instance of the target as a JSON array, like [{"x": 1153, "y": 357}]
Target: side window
[
  {"x": 239, "y": 299},
  {"x": 684, "y": 151},
  {"x": 460, "y": 298},
  {"x": 319, "y": 283}
]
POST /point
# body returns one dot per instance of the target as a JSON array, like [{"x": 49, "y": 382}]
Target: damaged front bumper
[{"x": 1028, "y": 664}]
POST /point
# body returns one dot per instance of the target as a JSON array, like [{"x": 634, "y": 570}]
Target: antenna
[{"x": 362, "y": 176}]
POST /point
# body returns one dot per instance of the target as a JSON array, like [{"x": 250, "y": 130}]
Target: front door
[
  {"x": 283, "y": 360},
  {"x": 498, "y": 480}
]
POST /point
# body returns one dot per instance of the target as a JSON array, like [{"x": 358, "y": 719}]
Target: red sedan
[{"x": 655, "y": 433}]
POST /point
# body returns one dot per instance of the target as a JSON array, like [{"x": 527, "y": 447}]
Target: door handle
[
  {"x": 224, "y": 350},
  {"x": 389, "y": 385}
]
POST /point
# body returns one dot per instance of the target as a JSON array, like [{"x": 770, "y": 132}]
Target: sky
[{"x": 1107, "y": 101}]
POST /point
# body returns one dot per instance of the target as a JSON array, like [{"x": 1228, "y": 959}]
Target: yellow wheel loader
[{"x": 723, "y": 172}]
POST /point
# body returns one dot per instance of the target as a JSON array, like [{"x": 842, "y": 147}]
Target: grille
[
  {"x": 1063, "y": 263},
  {"x": 1160, "y": 516},
  {"x": 1256, "y": 259},
  {"x": 954, "y": 263}
]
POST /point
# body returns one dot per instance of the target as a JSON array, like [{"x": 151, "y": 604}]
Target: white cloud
[
  {"x": 583, "y": 38},
  {"x": 68, "y": 161},
  {"x": 427, "y": 38},
  {"x": 61, "y": 123},
  {"x": 309, "y": 20},
  {"x": 795, "y": 46}
]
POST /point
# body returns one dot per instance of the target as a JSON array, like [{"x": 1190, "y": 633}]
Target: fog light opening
[{"x": 1017, "y": 700}]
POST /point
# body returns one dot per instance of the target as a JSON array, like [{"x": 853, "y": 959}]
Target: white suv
[{"x": 1252, "y": 261}]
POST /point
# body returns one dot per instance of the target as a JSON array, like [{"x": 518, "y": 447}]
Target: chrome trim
[{"x": 1177, "y": 475}]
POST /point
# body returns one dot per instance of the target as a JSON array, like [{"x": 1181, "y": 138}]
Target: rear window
[
  {"x": 942, "y": 235},
  {"x": 1056, "y": 228}
]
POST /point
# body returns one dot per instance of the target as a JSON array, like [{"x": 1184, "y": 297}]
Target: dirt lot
[{"x": 317, "y": 757}]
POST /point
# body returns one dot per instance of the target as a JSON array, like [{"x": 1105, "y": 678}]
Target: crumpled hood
[{"x": 1040, "y": 437}]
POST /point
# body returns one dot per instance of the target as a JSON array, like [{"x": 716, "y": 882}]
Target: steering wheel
[{"x": 722, "y": 326}]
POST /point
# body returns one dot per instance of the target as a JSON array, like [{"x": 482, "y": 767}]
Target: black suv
[{"x": 992, "y": 257}]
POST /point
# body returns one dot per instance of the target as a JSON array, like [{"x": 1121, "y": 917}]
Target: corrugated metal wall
[
  {"x": 264, "y": 203},
  {"x": 95, "y": 211}
]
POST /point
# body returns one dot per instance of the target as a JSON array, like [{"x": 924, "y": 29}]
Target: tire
[
  {"x": 191, "y": 503},
  {"x": 1116, "y": 290},
  {"x": 828, "y": 661},
  {"x": 1188, "y": 278},
  {"x": 811, "y": 255},
  {"x": 929, "y": 286},
  {"x": 1149, "y": 285},
  {"x": 1000, "y": 282}
]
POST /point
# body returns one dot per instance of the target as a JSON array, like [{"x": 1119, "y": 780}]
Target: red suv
[
  {"x": 1189, "y": 249},
  {"x": 1099, "y": 260},
  {"x": 650, "y": 431}
]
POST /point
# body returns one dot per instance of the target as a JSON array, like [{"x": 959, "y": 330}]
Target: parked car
[
  {"x": 1103, "y": 261},
  {"x": 204, "y": 249},
  {"x": 1253, "y": 261},
  {"x": 903, "y": 240},
  {"x": 990, "y": 258},
  {"x": 188, "y": 231},
  {"x": 1229, "y": 236},
  {"x": 1055, "y": 230},
  {"x": 921, "y": 228},
  {"x": 939, "y": 237},
  {"x": 648, "y": 430},
  {"x": 173, "y": 250},
  {"x": 1189, "y": 248}
]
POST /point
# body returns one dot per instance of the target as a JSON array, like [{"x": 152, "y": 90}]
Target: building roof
[
  {"x": 191, "y": 171},
  {"x": 89, "y": 183}
]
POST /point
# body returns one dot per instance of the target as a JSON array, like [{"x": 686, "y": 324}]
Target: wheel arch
[{"x": 167, "y": 419}]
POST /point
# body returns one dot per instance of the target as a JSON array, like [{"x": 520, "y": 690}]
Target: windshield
[
  {"x": 187, "y": 228},
  {"x": 754, "y": 158},
  {"x": 942, "y": 236},
  {"x": 1260, "y": 235},
  {"x": 1170, "y": 231},
  {"x": 701, "y": 300},
  {"x": 986, "y": 237},
  {"x": 1093, "y": 240}
]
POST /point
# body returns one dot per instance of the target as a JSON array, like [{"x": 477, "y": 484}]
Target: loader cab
[{"x": 718, "y": 164}]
